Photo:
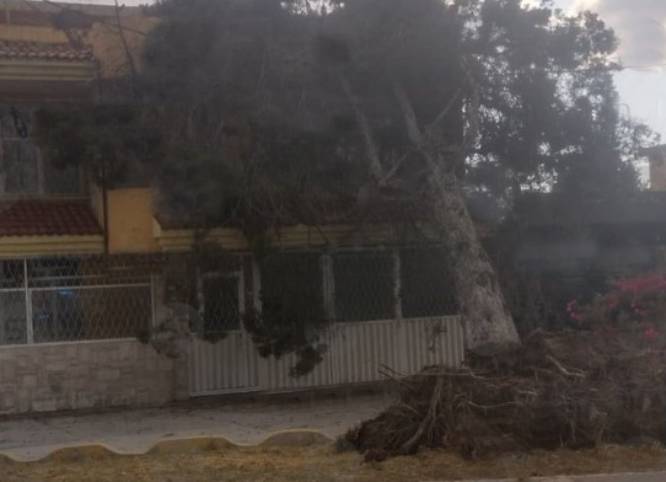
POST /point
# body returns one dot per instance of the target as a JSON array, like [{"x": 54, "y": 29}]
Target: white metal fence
[
  {"x": 357, "y": 352},
  {"x": 389, "y": 306},
  {"x": 374, "y": 306}
]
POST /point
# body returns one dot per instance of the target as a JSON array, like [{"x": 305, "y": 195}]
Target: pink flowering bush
[{"x": 637, "y": 303}]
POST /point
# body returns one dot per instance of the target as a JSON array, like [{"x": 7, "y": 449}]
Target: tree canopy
[
  {"x": 261, "y": 112},
  {"x": 227, "y": 85}
]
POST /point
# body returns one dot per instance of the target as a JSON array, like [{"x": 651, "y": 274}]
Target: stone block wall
[{"x": 84, "y": 375}]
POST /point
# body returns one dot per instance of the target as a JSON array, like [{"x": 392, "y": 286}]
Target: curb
[
  {"x": 620, "y": 477},
  {"x": 103, "y": 450}
]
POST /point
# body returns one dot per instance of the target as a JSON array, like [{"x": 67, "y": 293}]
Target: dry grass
[{"x": 216, "y": 463}]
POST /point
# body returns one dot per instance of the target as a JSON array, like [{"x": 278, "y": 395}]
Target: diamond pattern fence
[
  {"x": 359, "y": 285},
  {"x": 105, "y": 297},
  {"x": 73, "y": 299}
]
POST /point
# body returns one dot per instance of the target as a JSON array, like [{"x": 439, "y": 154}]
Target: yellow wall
[
  {"x": 108, "y": 47},
  {"x": 290, "y": 237},
  {"x": 130, "y": 226},
  {"x": 32, "y": 34}
]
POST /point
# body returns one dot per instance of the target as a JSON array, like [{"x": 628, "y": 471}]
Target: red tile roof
[
  {"x": 47, "y": 218},
  {"x": 22, "y": 50}
]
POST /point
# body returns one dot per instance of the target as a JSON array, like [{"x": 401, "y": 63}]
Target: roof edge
[{"x": 47, "y": 70}]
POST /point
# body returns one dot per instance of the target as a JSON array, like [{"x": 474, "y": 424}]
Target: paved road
[{"x": 644, "y": 477}]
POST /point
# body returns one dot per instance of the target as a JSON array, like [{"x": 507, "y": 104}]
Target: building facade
[{"x": 89, "y": 275}]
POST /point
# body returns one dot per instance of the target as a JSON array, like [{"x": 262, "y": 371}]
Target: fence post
[
  {"x": 397, "y": 283},
  {"x": 328, "y": 285},
  {"x": 256, "y": 286},
  {"x": 153, "y": 301},
  {"x": 30, "y": 334}
]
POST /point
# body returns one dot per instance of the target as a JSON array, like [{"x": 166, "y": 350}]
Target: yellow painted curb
[
  {"x": 78, "y": 454},
  {"x": 192, "y": 445},
  {"x": 296, "y": 438},
  {"x": 98, "y": 451}
]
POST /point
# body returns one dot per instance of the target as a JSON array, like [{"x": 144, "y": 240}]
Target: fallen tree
[{"x": 571, "y": 389}]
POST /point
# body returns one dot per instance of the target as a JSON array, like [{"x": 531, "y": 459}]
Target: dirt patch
[{"x": 215, "y": 464}]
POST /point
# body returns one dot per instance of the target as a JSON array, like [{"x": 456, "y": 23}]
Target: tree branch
[
  {"x": 421, "y": 139},
  {"x": 442, "y": 115},
  {"x": 473, "y": 108},
  {"x": 376, "y": 169},
  {"x": 435, "y": 399},
  {"x": 128, "y": 53},
  {"x": 414, "y": 131}
]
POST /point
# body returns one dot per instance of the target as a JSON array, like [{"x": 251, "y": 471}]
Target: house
[
  {"x": 86, "y": 272},
  {"x": 565, "y": 254}
]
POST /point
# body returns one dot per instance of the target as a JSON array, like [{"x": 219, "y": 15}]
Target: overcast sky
[{"x": 641, "y": 28}]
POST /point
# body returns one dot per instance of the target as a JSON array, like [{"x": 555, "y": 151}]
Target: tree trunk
[{"x": 489, "y": 326}]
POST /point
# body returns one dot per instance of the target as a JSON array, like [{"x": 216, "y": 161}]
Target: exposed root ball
[{"x": 570, "y": 389}]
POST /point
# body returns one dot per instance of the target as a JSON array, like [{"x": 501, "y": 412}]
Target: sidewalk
[{"x": 135, "y": 431}]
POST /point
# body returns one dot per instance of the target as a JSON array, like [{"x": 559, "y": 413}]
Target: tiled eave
[
  {"x": 22, "y": 246},
  {"x": 46, "y": 70}
]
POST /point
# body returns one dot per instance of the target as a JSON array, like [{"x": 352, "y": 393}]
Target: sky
[{"x": 641, "y": 28}]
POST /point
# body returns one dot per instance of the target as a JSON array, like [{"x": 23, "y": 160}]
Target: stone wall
[{"x": 95, "y": 374}]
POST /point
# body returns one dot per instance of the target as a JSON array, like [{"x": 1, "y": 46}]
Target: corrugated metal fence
[{"x": 356, "y": 351}]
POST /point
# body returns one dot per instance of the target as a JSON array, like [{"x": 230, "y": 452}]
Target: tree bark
[{"x": 489, "y": 327}]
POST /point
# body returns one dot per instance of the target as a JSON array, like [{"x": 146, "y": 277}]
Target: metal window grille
[
  {"x": 23, "y": 169},
  {"x": 292, "y": 288},
  {"x": 73, "y": 299},
  {"x": 426, "y": 283},
  {"x": 359, "y": 285},
  {"x": 364, "y": 286},
  {"x": 222, "y": 302}
]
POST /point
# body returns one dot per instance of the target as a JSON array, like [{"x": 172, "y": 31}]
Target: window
[
  {"x": 12, "y": 303},
  {"x": 22, "y": 168},
  {"x": 426, "y": 283},
  {"x": 76, "y": 313},
  {"x": 12, "y": 317},
  {"x": 72, "y": 299},
  {"x": 292, "y": 289},
  {"x": 61, "y": 180},
  {"x": 11, "y": 274},
  {"x": 19, "y": 167},
  {"x": 364, "y": 286},
  {"x": 221, "y": 305}
]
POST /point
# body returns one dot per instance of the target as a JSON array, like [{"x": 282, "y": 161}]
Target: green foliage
[
  {"x": 548, "y": 106},
  {"x": 109, "y": 139},
  {"x": 292, "y": 310},
  {"x": 268, "y": 75},
  {"x": 248, "y": 112}
]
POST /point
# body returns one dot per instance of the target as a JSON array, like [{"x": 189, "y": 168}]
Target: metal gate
[
  {"x": 387, "y": 322},
  {"x": 225, "y": 366},
  {"x": 355, "y": 353},
  {"x": 222, "y": 357}
]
